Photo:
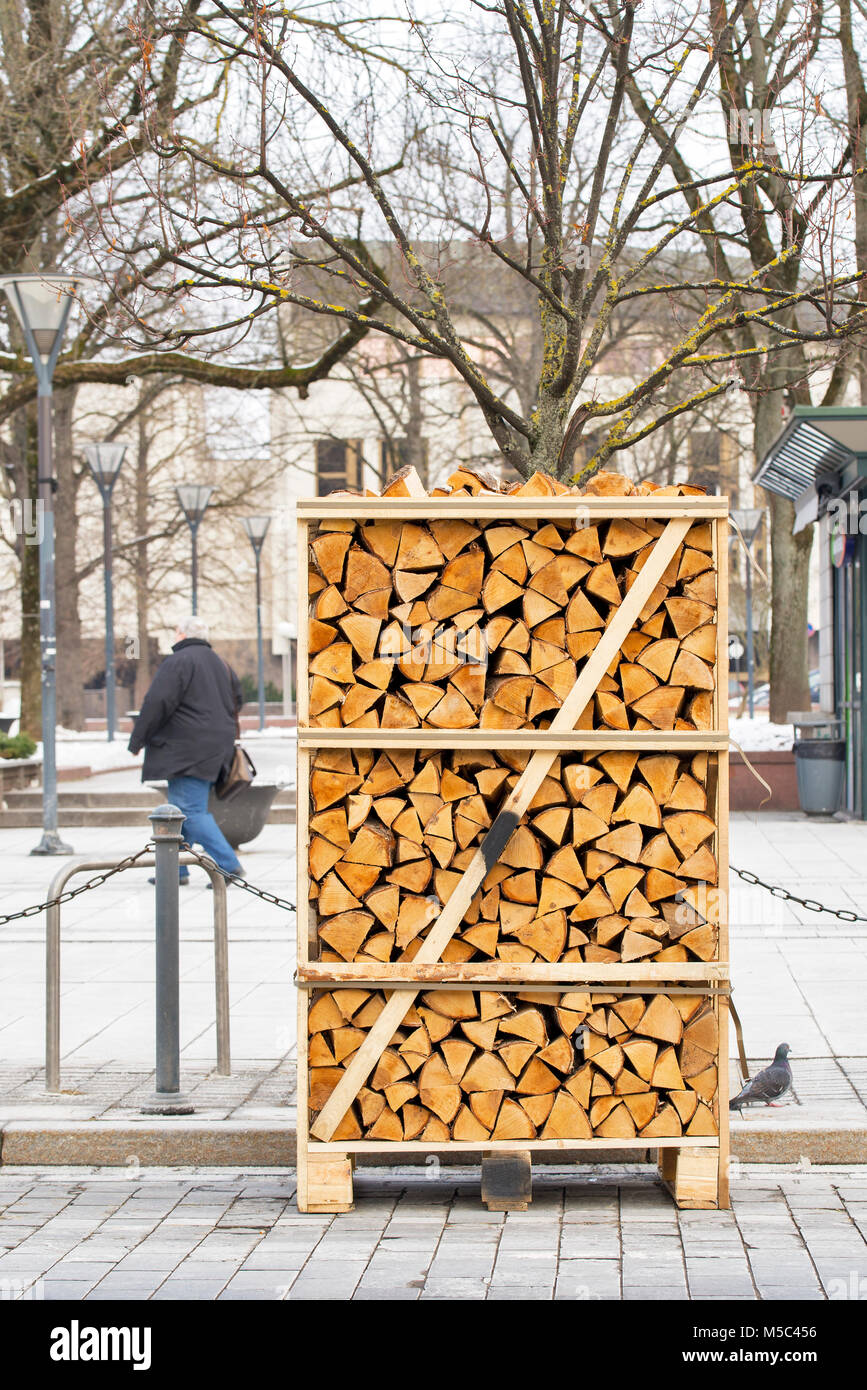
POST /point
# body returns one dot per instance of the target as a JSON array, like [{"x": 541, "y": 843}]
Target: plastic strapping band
[
  {"x": 758, "y": 776},
  {"x": 739, "y": 1034},
  {"x": 751, "y": 560}
]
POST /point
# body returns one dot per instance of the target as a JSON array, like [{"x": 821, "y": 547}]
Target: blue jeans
[{"x": 190, "y": 795}]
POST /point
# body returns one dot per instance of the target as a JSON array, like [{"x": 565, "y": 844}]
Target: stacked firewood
[
  {"x": 455, "y": 624},
  {"x": 613, "y": 860},
  {"x": 479, "y": 1065},
  {"x": 475, "y": 622}
]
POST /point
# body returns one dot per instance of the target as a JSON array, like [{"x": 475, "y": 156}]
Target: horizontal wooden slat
[
  {"x": 486, "y": 973},
  {"x": 516, "y": 509},
  {"x": 710, "y": 1141},
  {"x": 528, "y": 740}
]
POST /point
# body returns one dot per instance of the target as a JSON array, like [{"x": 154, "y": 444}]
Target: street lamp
[
  {"x": 257, "y": 529},
  {"x": 748, "y": 521},
  {"x": 105, "y": 464},
  {"x": 193, "y": 499},
  {"x": 42, "y": 303}
]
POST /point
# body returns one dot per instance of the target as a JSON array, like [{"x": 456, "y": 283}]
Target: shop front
[{"x": 820, "y": 463}]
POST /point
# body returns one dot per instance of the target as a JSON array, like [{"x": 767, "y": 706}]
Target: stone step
[
  {"x": 24, "y": 800},
  {"x": 104, "y": 800},
  {"x": 31, "y": 816}
]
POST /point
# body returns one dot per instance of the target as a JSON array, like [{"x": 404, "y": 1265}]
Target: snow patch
[
  {"x": 74, "y": 749},
  {"x": 759, "y": 735}
]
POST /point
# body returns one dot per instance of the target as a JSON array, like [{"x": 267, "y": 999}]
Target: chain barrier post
[
  {"x": 52, "y": 990},
  {"x": 167, "y": 1099}
]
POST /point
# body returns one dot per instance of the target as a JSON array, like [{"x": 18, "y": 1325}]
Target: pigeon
[{"x": 768, "y": 1085}]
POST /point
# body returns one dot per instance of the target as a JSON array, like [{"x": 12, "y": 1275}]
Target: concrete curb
[
  {"x": 148, "y": 1144},
  {"x": 839, "y": 1142},
  {"x": 181, "y": 1143}
]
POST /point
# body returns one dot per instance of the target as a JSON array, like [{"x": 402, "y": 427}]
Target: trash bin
[{"x": 820, "y": 762}]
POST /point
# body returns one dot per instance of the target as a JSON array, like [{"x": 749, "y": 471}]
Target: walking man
[{"x": 187, "y": 726}]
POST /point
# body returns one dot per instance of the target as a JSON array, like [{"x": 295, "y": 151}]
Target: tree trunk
[
  {"x": 856, "y": 103},
  {"x": 790, "y": 571},
  {"x": 790, "y": 559},
  {"x": 70, "y": 667},
  {"x": 548, "y": 438}
]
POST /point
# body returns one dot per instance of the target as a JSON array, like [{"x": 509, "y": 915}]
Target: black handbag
[
  {"x": 238, "y": 775},
  {"x": 241, "y": 770}
]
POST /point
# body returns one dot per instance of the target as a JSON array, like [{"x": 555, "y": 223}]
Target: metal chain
[
  {"x": 36, "y": 908},
  {"x": 844, "y": 914},
  {"x": 266, "y": 897},
  {"x": 71, "y": 893}
]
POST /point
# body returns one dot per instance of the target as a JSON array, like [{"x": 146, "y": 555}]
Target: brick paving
[
  {"x": 590, "y": 1233},
  {"x": 107, "y": 1092}
]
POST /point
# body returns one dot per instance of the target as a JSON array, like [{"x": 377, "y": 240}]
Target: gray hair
[{"x": 192, "y": 626}]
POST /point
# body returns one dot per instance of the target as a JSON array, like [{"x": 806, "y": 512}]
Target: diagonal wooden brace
[{"x": 504, "y": 825}]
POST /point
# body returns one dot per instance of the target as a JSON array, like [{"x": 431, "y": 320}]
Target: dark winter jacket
[{"x": 187, "y": 722}]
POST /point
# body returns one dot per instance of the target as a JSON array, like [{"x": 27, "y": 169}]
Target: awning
[{"x": 817, "y": 443}]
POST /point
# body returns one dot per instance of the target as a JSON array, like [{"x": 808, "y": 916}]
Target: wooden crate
[{"x": 444, "y": 954}]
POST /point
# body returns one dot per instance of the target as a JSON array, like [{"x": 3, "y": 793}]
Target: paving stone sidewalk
[{"x": 590, "y": 1233}]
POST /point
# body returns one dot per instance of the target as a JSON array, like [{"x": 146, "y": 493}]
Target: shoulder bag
[{"x": 241, "y": 770}]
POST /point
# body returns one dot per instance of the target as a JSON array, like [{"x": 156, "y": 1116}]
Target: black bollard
[{"x": 167, "y": 1099}]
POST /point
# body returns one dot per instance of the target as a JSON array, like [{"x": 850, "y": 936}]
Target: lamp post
[
  {"x": 749, "y": 521},
  {"x": 193, "y": 499},
  {"x": 257, "y": 529},
  {"x": 42, "y": 303},
  {"x": 105, "y": 464}
]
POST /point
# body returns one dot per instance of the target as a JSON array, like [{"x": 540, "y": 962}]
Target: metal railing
[{"x": 221, "y": 954}]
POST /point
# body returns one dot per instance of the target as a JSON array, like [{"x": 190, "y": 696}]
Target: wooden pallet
[{"x": 693, "y": 1167}]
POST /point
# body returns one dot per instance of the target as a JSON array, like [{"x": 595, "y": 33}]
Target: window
[
  {"x": 237, "y": 423},
  {"x": 337, "y": 464}
]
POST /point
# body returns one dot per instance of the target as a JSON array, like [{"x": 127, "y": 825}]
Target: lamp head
[
  {"x": 41, "y": 303},
  {"x": 193, "y": 499},
  {"x": 256, "y": 528},
  {"x": 105, "y": 462}
]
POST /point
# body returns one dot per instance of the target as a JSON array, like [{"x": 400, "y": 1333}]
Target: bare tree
[
  {"x": 83, "y": 97},
  {"x": 782, "y": 233},
  {"x": 554, "y": 176},
  {"x": 296, "y": 145}
]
